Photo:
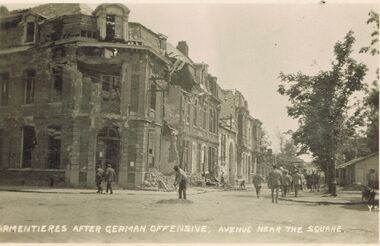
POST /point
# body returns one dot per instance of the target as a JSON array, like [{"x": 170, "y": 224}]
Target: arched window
[
  {"x": 30, "y": 28},
  {"x": 112, "y": 20}
]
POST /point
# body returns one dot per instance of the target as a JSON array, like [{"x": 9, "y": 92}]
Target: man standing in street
[
  {"x": 99, "y": 178},
  {"x": 274, "y": 181},
  {"x": 110, "y": 177},
  {"x": 297, "y": 181},
  {"x": 257, "y": 179},
  {"x": 181, "y": 181}
]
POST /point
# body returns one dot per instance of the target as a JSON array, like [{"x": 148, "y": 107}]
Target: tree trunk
[
  {"x": 328, "y": 175},
  {"x": 331, "y": 176}
]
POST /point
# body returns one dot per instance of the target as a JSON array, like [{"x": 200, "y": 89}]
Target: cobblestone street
[{"x": 209, "y": 217}]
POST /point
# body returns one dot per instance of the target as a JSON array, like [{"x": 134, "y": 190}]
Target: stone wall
[{"x": 52, "y": 178}]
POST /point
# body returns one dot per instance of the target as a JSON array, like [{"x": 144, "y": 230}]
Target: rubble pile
[
  {"x": 196, "y": 179},
  {"x": 155, "y": 180}
]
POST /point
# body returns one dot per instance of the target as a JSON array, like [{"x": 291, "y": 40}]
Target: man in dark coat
[
  {"x": 257, "y": 179},
  {"x": 99, "y": 178},
  {"x": 181, "y": 180},
  {"x": 110, "y": 177},
  {"x": 275, "y": 181}
]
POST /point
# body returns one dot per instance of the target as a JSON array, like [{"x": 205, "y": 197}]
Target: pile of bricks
[
  {"x": 158, "y": 181},
  {"x": 196, "y": 179}
]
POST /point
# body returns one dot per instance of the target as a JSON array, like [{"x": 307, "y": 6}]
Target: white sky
[{"x": 248, "y": 44}]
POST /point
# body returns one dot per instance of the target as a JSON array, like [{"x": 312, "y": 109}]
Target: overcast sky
[{"x": 247, "y": 45}]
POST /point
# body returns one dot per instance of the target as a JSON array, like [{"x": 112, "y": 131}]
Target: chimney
[
  {"x": 4, "y": 12},
  {"x": 163, "y": 42},
  {"x": 182, "y": 46}
]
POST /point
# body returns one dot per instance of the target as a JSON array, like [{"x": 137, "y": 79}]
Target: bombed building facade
[{"x": 82, "y": 87}]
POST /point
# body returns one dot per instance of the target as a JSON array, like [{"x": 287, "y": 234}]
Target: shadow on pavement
[
  {"x": 359, "y": 207},
  {"x": 248, "y": 195},
  {"x": 174, "y": 201}
]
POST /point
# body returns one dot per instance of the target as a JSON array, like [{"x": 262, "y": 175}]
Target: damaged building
[
  {"x": 239, "y": 127},
  {"x": 192, "y": 107},
  {"x": 79, "y": 88},
  {"x": 82, "y": 87}
]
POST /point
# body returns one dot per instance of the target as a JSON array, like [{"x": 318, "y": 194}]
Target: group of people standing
[
  {"x": 287, "y": 182},
  {"x": 277, "y": 179},
  {"x": 109, "y": 175}
]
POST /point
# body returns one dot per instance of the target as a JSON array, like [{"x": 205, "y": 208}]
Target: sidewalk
[
  {"x": 65, "y": 190},
  {"x": 343, "y": 197}
]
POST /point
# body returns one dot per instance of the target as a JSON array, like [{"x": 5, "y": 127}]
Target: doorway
[
  {"x": 108, "y": 148},
  {"x": 29, "y": 142}
]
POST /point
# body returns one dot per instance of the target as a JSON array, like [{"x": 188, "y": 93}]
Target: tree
[
  {"x": 320, "y": 103},
  {"x": 372, "y": 115},
  {"x": 288, "y": 156},
  {"x": 371, "y": 101}
]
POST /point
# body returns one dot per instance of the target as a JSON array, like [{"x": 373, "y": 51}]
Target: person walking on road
[
  {"x": 274, "y": 181},
  {"x": 297, "y": 181},
  {"x": 313, "y": 181},
  {"x": 99, "y": 178},
  {"x": 287, "y": 182},
  {"x": 110, "y": 177},
  {"x": 257, "y": 179},
  {"x": 181, "y": 181}
]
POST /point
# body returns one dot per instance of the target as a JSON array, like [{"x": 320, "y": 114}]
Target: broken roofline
[
  {"x": 83, "y": 42},
  {"x": 43, "y": 11}
]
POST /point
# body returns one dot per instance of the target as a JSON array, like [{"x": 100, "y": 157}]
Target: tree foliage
[
  {"x": 372, "y": 115},
  {"x": 373, "y": 47},
  {"x": 288, "y": 156},
  {"x": 320, "y": 103},
  {"x": 371, "y": 101}
]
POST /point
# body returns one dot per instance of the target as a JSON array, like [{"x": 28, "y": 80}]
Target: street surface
[{"x": 211, "y": 217}]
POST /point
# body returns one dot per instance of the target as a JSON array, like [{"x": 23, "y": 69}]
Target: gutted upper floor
[{"x": 51, "y": 23}]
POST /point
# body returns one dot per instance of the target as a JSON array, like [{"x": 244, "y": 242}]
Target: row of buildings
[{"x": 82, "y": 87}]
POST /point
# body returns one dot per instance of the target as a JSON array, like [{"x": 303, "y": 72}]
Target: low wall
[{"x": 32, "y": 177}]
